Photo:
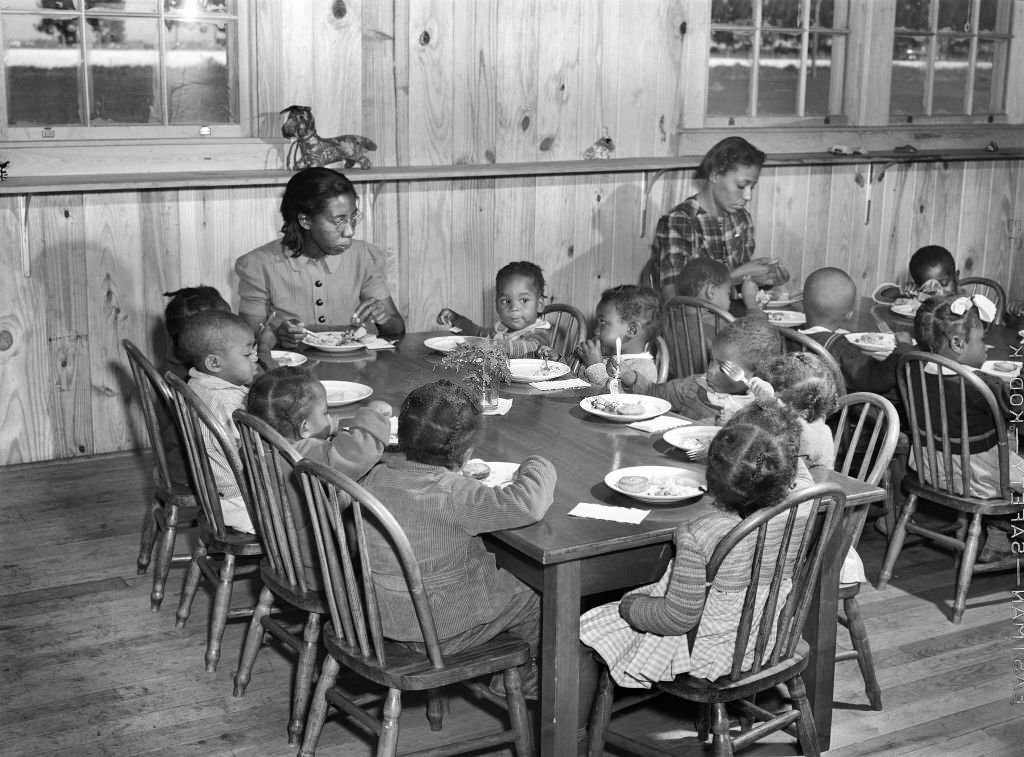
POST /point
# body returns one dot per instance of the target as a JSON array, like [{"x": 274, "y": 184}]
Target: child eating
[
  {"x": 932, "y": 271},
  {"x": 710, "y": 280},
  {"x": 713, "y": 396},
  {"x": 518, "y": 299},
  {"x": 632, "y": 315},
  {"x": 221, "y": 349}
]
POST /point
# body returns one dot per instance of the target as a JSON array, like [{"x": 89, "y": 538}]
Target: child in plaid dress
[{"x": 753, "y": 463}]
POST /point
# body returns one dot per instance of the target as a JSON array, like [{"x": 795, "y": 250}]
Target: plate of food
[
  {"x": 349, "y": 340},
  {"x": 525, "y": 370},
  {"x": 873, "y": 342},
  {"x": 345, "y": 392},
  {"x": 490, "y": 472},
  {"x": 780, "y": 297},
  {"x": 657, "y": 484},
  {"x": 625, "y": 408},
  {"x": 443, "y": 343},
  {"x": 286, "y": 359},
  {"x": 786, "y": 317},
  {"x": 693, "y": 440},
  {"x": 905, "y": 306},
  {"x": 1004, "y": 369}
]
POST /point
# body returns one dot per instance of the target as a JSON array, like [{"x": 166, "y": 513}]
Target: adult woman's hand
[
  {"x": 290, "y": 334},
  {"x": 382, "y": 313},
  {"x": 764, "y": 272}
]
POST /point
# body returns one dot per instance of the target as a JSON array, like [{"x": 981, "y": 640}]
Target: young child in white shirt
[{"x": 632, "y": 315}]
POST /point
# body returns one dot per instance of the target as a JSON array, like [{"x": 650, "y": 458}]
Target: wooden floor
[{"x": 87, "y": 669}]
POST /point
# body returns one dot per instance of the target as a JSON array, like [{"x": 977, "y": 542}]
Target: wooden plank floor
[{"x": 87, "y": 669}]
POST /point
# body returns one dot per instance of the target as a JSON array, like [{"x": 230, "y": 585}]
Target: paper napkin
[
  {"x": 393, "y": 436},
  {"x": 660, "y": 424},
  {"x": 380, "y": 344},
  {"x": 609, "y": 512},
  {"x": 504, "y": 405},
  {"x": 556, "y": 384}
]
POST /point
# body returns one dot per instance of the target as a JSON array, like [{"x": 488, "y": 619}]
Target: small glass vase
[{"x": 489, "y": 396}]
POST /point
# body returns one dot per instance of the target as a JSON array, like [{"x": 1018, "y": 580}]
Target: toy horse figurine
[{"x": 309, "y": 149}]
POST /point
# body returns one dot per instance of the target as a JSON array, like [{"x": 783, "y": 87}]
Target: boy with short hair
[
  {"x": 221, "y": 349},
  {"x": 710, "y": 280},
  {"x": 631, "y": 314},
  {"x": 713, "y": 396},
  {"x": 932, "y": 271}
]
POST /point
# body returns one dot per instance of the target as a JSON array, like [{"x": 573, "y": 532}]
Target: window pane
[
  {"x": 730, "y": 12},
  {"x": 729, "y": 73},
  {"x": 43, "y": 63},
  {"x": 124, "y": 67},
  {"x": 994, "y": 17},
  {"x": 819, "y": 74},
  {"x": 191, "y": 8},
  {"x": 823, "y": 13},
  {"x": 912, "y": 14},
  {"x": 908, "y": 76},
  {"x": 988, "y": 51},
  {"x": 955, "y": 15},
  {"x": 776, "y": 93},
  {"x": 201, "y": 88},
  {"x": 950, "y": 78},
  {"x": 784, "y": 13}
]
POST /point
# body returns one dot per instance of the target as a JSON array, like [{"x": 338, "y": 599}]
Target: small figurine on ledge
[
  {"x": 310, "y": 150},
  {"x": 601, "y": 149},
  {"x": 3, "y": 170}
]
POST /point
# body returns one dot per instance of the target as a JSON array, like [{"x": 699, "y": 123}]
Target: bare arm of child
[
  {"x": 589, "y": 351},
  {"x": 679, "y": 610},
  {"x": 482, "y": 508},
  {"x": 748, "y": 293},
  {"x": 530, "y": 344},
  {"x": 448, "y": 317}
]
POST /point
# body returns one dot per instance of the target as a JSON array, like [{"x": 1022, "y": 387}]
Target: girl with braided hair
[
  {"x": 753, "y": 463},
  {"x": 444, "y": 513},
  {"x": 294, "y": 403}
]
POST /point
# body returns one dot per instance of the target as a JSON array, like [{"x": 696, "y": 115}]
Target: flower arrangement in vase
[{"x": 485, "y": 363}]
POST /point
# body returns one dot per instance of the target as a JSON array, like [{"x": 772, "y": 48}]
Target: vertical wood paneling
[
  {"x": 336, "y": 62},
  {"x": 271, "y": 76},
  {"x": 972, "y": 235}
]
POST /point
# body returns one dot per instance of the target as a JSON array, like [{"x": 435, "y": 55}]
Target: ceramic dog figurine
[{"x": 309, "y": 149}]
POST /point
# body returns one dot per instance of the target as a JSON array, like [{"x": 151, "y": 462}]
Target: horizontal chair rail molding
[{"x": 116, "y": 182}]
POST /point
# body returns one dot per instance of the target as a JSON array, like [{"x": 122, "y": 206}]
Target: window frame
[{"x": 243, "y": 17}]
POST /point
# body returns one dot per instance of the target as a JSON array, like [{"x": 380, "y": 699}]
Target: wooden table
[{"x": 566, "y": 558}]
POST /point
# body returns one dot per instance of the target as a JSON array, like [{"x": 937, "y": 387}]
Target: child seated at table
[
  {"x": 519, "y": 300},
  {"x": 712, "y": 396},
  {"x": 710, "y": 280},
  {"x": 954, "y": 327},
  {"x": 294, "y": 404},
  {"x": 932, "y": 271},
  {"x": 632, "y": 315},
  {"x": 753, "y": 463},
  {"x": 182, "y": 305},
  {"x": 221, "y": 349},
  {"x": 830, "y": 299},
  {"x": 444, "y": 512}
]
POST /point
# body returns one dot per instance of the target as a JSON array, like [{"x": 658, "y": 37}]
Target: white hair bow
[{"x": 986, "y": 308}]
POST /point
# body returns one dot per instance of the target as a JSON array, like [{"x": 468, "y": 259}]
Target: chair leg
[
  {"x": 147, "y": 539},
  {"x": 168, "y": 529},
  {"x": 721, "y": 745},
  {"x": 517, "y": 715},
  {"x": 387, "y": 744},
  {"x": 600, "y": 714},
  {"x": 188, "y": 591},
  {"x": 435, "y": 709},
  {"x": 318, "y": 707},
  {"x": 966, "y": 572},
  {"x": 806, "y": 731},
  {"x": 219, "y": 613},
  {"x": 859, "y": 639},
  {"x": 253, "y": 641},
  {"x": 899, "y": 533},
  {"x": 304, "y": 677}
]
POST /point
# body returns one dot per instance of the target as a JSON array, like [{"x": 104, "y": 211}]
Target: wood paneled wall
[{"x": 439, "y": 83}]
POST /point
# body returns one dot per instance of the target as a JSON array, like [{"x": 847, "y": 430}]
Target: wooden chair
[
  {"x": 173, "y": 504},
  {"x": 803, "y": 533},
  {"x": 796, "y": 341},
  {"x": 343, "y": 515},
  {"x": 662, "y": 358},
  {"x": 220, "y": 549},
  {"x": 290, "y": 569},
  {"x": 689, "y": 325},
  {"x": 988, "y": 287},
  {"x": 568, "y": 329},
  {"x": 939, "y": 469},
  {"x": 866, "y": 430}
]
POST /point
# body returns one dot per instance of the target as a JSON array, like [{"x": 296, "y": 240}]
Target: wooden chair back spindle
[{"x": 689, "y": 325}]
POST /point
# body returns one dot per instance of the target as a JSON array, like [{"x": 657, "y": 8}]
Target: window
[
  {"x": 76, "y": 69},
  {"x": 776, "y": 58},
  {"x": 950, "y": 58}
]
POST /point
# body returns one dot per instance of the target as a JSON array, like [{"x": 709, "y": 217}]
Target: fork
[{"x": 734, "y": 373}]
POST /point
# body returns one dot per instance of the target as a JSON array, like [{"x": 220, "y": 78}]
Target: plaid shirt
[{"x": 688, "y": 231}]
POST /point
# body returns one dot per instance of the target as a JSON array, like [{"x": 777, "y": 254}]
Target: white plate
[
  {"x": 783, "y": 298},
  {"x": 501, "y": 473},
  {"x": 681, "y": 436},
  {"x": 652, "y": 406},
  {"x": 873, "y": 342},
  {"x": 345, "y": 392},
  {"x": 685, "y": 484},
  {"x": 905, "y": 307},
  {"x": 1000, "y": 368},
  {"x": 287, "y": 359},
  {"x": 525, "y": 370},
  {"x": 350, "y": 346},
  {"x": 443, "y": 343},
  {"x": 786, "y": 317}
]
